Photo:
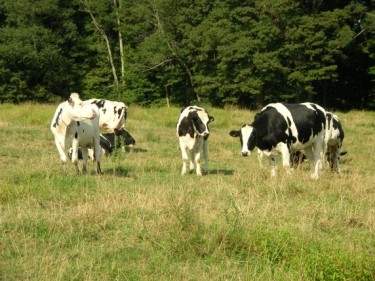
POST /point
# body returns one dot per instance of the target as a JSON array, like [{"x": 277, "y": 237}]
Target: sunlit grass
[{"x": 141, "y": 220}]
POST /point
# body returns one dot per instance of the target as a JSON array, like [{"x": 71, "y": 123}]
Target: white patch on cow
[{"x": 246, "y": 132}]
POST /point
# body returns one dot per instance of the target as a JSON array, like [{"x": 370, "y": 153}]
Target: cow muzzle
[{"x": 245, "y": 153}]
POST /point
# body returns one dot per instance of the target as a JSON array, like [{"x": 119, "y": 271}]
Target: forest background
[{"x": 160, "y": 52}]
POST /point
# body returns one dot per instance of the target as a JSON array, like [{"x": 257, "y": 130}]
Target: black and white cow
[
  {"x": 109, "y": 142},
  {"x": 282, "y": 128},
  {"x": 112, "y": 114},
  {"x": 77, "y": 124},
  {"x": 192, "y": 131},
  {"x": 334, "y": 138}
]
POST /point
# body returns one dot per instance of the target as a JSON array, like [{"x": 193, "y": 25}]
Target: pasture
[{"x": 141, "y": 220}]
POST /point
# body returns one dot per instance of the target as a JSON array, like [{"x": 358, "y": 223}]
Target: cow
[
  {"x": 112, "y": 114},
  {"x": 192, "y": 131},
  {"x": 334, "y": 139},
  {"x": 77, "y": 124},
  {"x": 109, "y": 142},
  {"x": 283, "y": 128}
]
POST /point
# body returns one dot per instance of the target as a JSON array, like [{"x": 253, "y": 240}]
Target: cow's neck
[{"x": 65, "y": 121}]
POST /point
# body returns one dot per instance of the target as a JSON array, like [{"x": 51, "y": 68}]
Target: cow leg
[
  {"x": 75, "y": 154},
  {"x": 192, "y": 156},
  {"x": 98, "y": 155},
  {"x": 60, "y": 145},
  {"x": 260, "y": 157},
  {"x": 205, "y": 155},
  {"x": 185, "y": 159},
  {"x": 313, "y": 155},
  {"x": 272, "y": 161},
  {"x": 334, "y": 154},
  {"x": 197, "y": 163},
  {"x": 61, "y": 149},
  {"x": 85, "y": 157},
  {"x": 285, "y": 153}
]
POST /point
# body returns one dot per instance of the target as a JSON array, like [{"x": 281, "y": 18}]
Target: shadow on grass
[
  {"x": 118, "y": 171},
  {"x": 224, "y": 172},
  {"x": 137, "y": 150}
]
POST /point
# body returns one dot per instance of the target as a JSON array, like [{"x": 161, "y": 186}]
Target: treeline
[{"x": 156, "y": 52}]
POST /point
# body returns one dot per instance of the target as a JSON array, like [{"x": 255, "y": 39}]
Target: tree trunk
[
  {"x": 174, "y": 52},
  {"x": 117, "y": 4},
  {"x": 105, "y": 37}
]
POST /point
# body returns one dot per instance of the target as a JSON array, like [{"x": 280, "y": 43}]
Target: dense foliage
[{"x": 245, "y": 53}]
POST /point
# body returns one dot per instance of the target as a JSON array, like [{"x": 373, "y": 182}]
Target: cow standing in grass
[
  {"x": 77, "y": 124},
  {"x": 192, "y": 131},
  {"x": 282, "y": 128}
]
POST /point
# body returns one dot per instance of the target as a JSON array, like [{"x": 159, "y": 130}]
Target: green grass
[{"x": 141, "y": 220}]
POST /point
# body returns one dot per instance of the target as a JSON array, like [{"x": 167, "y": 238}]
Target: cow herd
[{"x": 89, "y": 129}]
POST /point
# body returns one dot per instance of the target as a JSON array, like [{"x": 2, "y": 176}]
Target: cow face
[
  {"x": 247, "y": 137},
  {"x": 123, "y": 136},
  {"x": 201, "y": 119},
  {"x": 194, "y": 121},
  {"x": 79, "y": 111}
]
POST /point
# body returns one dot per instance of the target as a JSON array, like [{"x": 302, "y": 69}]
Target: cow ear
[
  {"x": 235, "y": 133},
  {"x": 71, "y": 102},
  {"x": 211, "y": 118}
]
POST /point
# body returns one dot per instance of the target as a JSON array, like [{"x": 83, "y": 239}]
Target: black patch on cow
[
  {"x": 99, "y": 103},
  {"x": 104, "y": 110},
  {"x": 307, "y": 121},
  {"x": 76, "y": 135},
  {"x": 78, "y": 124},
  {"x": 123, "y": 137},
  {"x": 269, "y": 128},
  {"x": 107, "y": 141},
  {"x": 57, "y": 118},
  {"x": 186, "y": 127},
  {"x": 119, "y": 112},
  {"x": 115, "y": 140},
  {"x": 337, "y": 125}
]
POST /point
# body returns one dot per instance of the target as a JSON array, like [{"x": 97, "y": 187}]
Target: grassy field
[{"x": 141, "y": 220}]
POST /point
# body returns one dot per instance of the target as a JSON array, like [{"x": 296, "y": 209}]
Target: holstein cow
[
  {"x": 192, "y": 131},
  {"x": 77, "y": 124},
  {"x": 112, "y": 114},
  {"x": 109, "y": 142},
  {"x": 334, "y": 138},
  {"x": 282, "y": 128}
]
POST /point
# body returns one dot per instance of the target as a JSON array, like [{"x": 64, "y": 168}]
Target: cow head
[
  {"x": 247, "y": 137},
  {"x": 77, "y": 110},
  {"x": 123, "y": 136},
  {"x": 201, "y": 119}
]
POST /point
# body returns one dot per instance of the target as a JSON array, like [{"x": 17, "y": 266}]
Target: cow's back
[
  {"x": 301, "y": 123},
  {"x": 112, "y": 114}
]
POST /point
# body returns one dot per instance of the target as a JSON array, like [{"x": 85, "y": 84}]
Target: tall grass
[{"x": 141, "y": 220}]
